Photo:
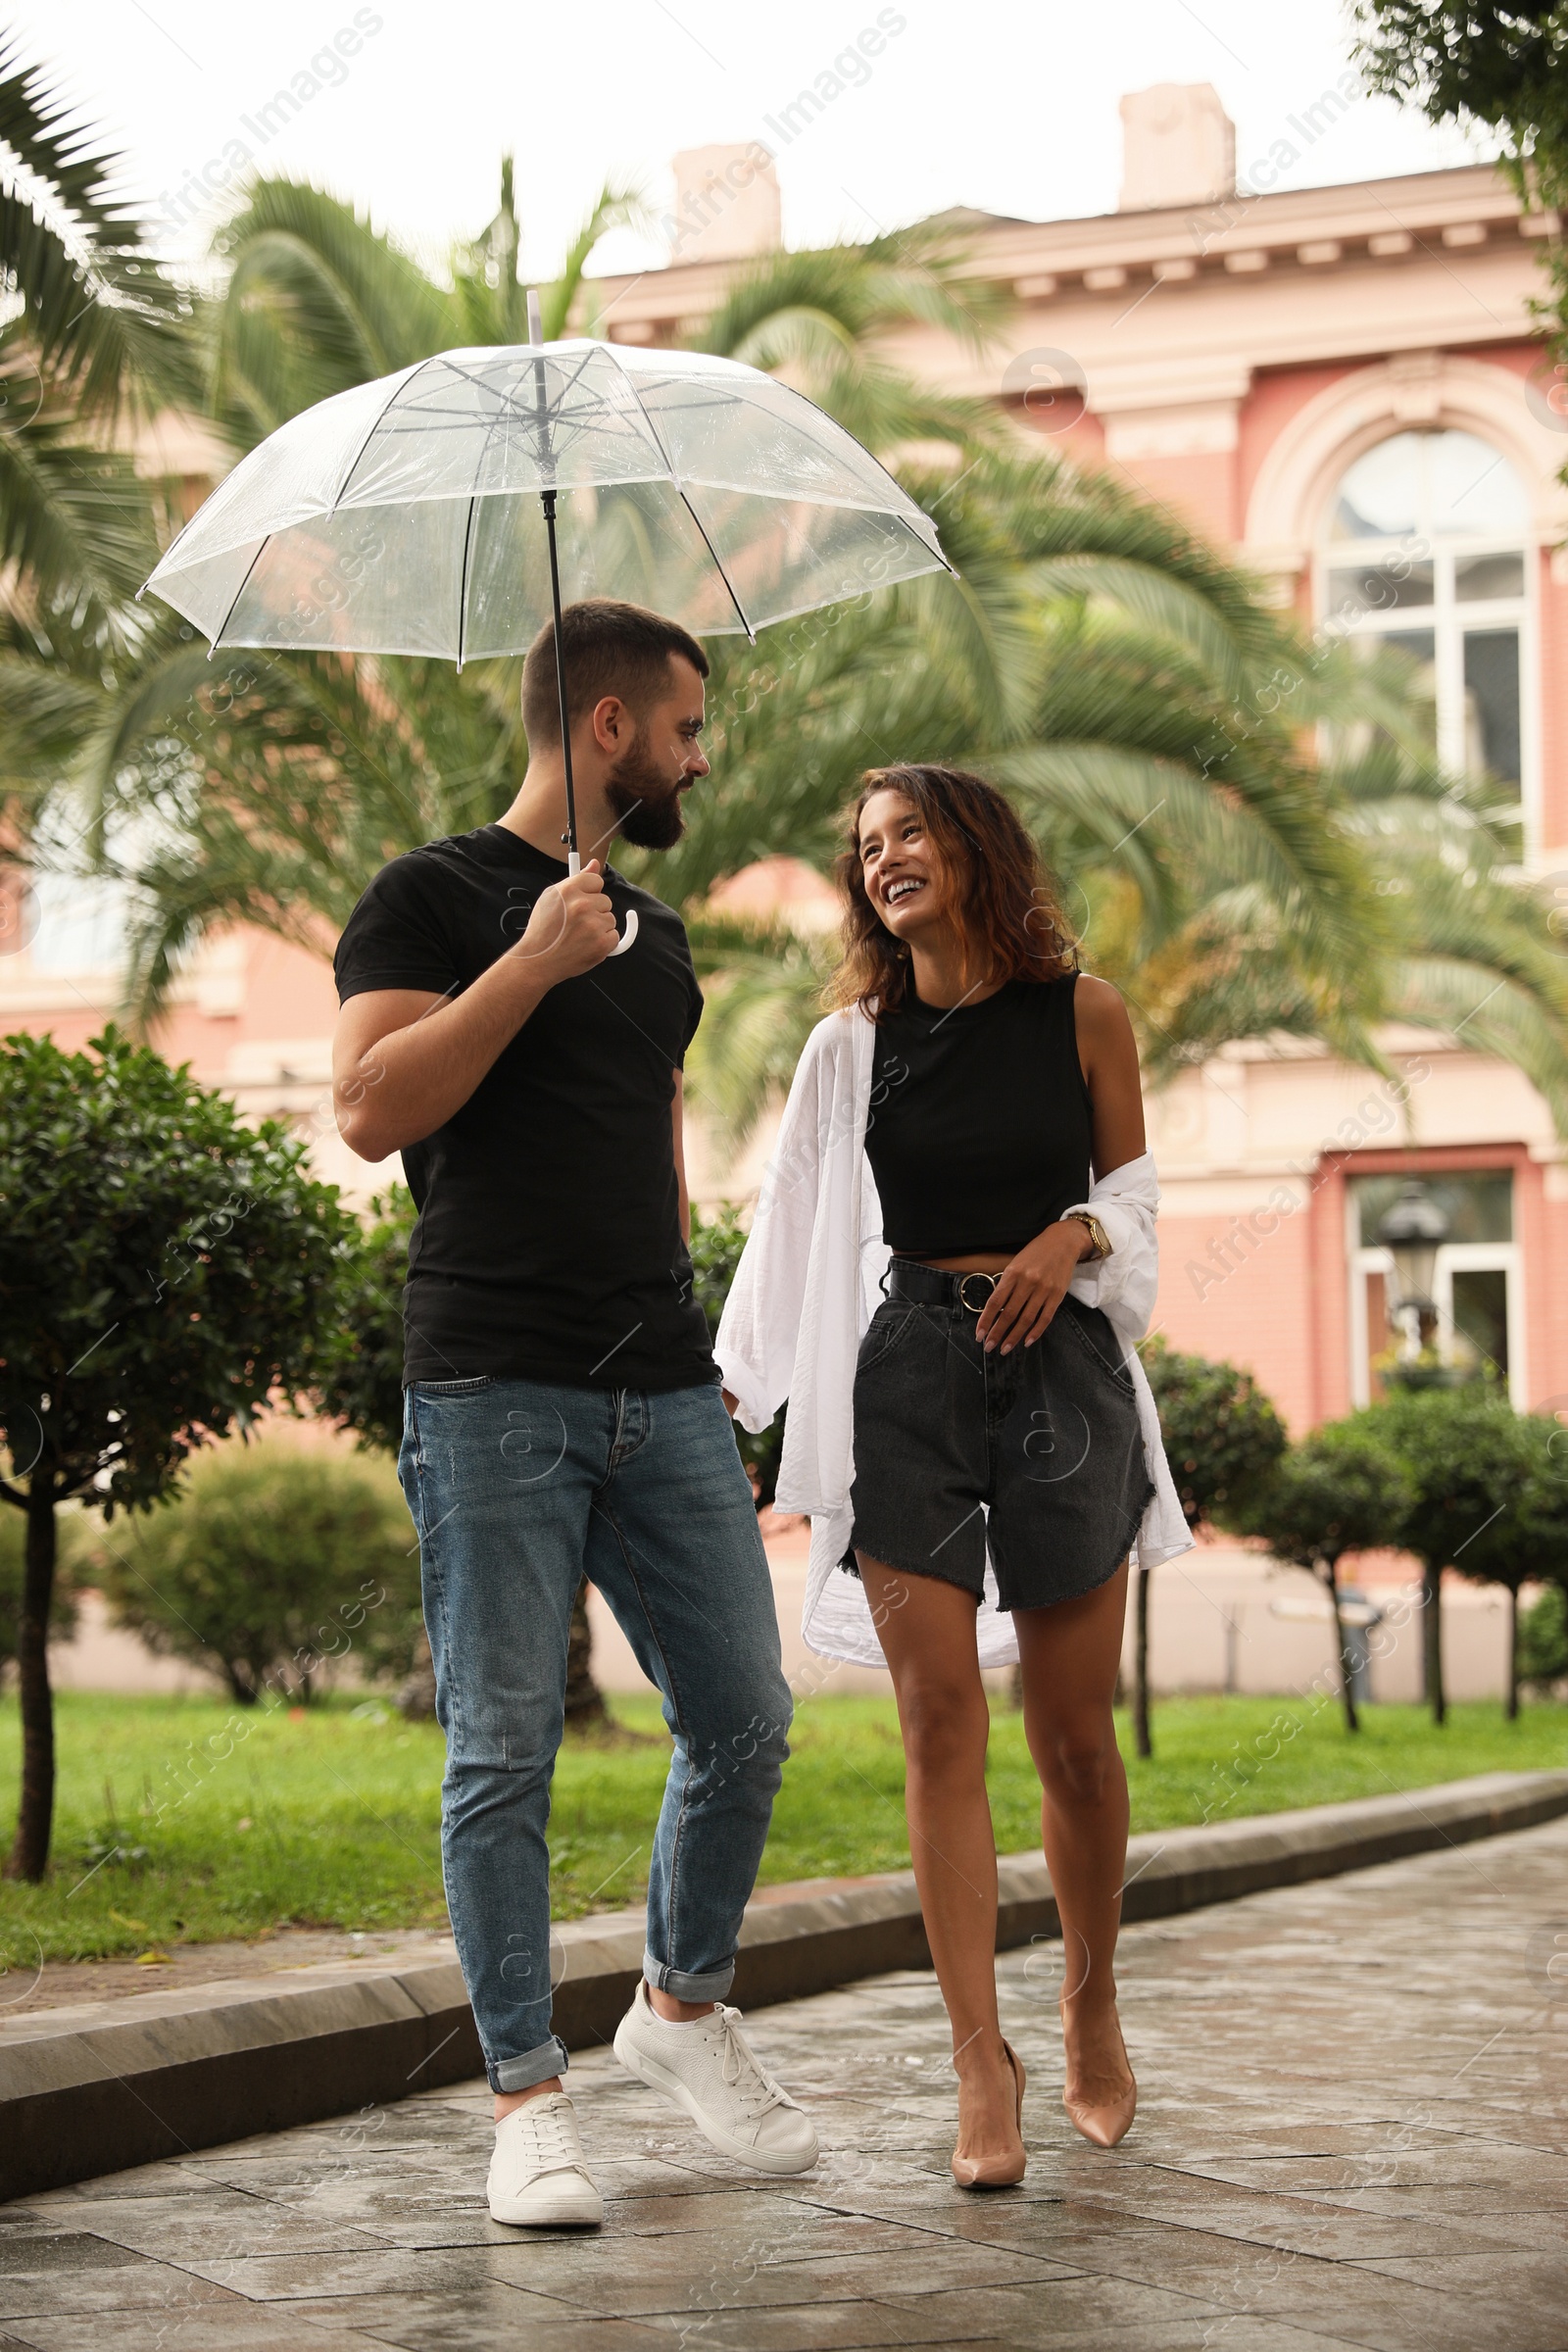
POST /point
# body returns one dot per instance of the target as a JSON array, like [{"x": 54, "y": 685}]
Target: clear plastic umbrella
[{"x": 449, "y": 510}]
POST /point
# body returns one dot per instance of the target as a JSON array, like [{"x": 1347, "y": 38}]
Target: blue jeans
[{"x": 519, "y": 1490}]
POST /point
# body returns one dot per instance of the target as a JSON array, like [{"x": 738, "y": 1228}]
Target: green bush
[
  {"x": 1544, "y": 1639},
  {"x": 1222, "y": 1435},
  {"x": 716, "y": 1245},
  {"x": 363, "y": 1386},
  {"x": 274, "y": 1565}
]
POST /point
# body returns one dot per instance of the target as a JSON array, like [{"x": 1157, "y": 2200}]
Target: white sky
[{"x": 1008, "y": 105}]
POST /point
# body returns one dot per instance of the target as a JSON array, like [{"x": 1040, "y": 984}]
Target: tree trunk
[
  {"x": 30, "y": 1854},
  {"x": 585, "y": 1701},
  {"x": 1352, "y": 1722},
  {"x": 1511, "y": 1708},
  {"x": 1145, "y": 1745},
  {"x": 1432, "y": 1642}
]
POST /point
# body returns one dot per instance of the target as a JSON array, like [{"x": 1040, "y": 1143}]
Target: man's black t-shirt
[{"x": 548, "y": 1245}]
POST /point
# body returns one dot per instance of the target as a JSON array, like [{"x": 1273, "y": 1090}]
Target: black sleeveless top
[{"x": 978, "y": 1133}]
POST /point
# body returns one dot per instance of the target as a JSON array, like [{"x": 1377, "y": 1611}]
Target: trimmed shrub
[{"x": 273, "y": 1566}]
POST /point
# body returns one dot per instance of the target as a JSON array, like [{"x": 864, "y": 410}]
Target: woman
[{"x": 962, "y": 1385}]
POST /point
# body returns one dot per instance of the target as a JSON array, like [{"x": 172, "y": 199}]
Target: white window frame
[
  {"x": 1486, "y": 1257},
  {"x": 1448, "y": 621}
]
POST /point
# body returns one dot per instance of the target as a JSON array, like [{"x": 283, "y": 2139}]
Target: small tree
[
  {"x": 161, "y": 1268},
  {"x": 1222, "y": 1440},
  {"x": 13, "y": 1580},
  {"x": 272, "y": 1562},
  {"x": 1340, "y": 1490},
  {"x": 1472, "y": 1464},
  {"x": 1527, "y": 1540}
]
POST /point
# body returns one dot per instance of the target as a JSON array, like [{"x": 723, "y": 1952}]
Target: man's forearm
[{"x": 412, "y": 1080}]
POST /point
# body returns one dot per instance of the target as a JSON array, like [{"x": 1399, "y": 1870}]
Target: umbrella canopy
[{"x": 412, "y": 515}]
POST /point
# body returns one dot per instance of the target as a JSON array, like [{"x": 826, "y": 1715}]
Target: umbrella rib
[
  {"x": 681, "y": 490},
  {"x": 238, "y": 593},
  {"x": 950, "y": 569},
  {"x": 404, "y": 379},
  {"x": 717, "y": 566},
  {"x": 509, "y": 405}
]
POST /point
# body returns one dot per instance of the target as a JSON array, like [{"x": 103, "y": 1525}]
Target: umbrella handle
[{"x": 575, "y": 866}]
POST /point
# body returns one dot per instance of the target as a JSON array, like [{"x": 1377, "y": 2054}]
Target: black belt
[{"x": 929, "y": 1286}]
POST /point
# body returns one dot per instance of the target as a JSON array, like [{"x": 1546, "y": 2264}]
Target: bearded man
[{"x": 562, "y": 1414}]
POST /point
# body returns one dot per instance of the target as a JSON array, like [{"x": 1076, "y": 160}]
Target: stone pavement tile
[
  {"x": 1129, "y": 2242},
  {"x": 71, "y": 2270},
  {"x": 698, "y": 2271},
  {"x": 142, "y": 2180},
  {"x": 477, "y": 2318},
  {"x": 769, "y": 2210},
  {"x": 241, "y": 2328},
  {"x": 1069, "y": 2312},
  {"x": 1399, "y": 2315},
  {"x": 383, "y": 2270},
  {"x": 1301, "y": 2224},
  {"x": 1537, "y": 2273},
  {"x": 829, "y": 2328},
  {"x": 1521, "y": 2173},
  {"x": 890, "y": 2191},
  {"x": 1479, "y": 2203},
  {"x": 400, "y": 2205},
  {"x": 1024, "y": 2327},
  {"x": 1532, "y": 2229},
  {"x": 199, "y": 2232}
]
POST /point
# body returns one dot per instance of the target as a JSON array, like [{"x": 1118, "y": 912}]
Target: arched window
[{"x": 1427, "y": 542}]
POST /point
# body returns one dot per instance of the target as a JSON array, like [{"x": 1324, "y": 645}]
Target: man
[{"x": 562, "y": 1409}]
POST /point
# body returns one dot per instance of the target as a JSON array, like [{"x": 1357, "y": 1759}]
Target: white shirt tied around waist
[{"x": 805, "y": 1290}]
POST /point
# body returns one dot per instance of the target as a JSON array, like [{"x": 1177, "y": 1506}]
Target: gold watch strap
[{"x": 1097, "y": 1233}]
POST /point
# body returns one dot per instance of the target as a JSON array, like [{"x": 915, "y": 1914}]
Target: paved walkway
[{"x": 1354, "y": 2131}]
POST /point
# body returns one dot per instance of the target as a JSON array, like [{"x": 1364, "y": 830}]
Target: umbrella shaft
[{"x": 547, "y": 500}]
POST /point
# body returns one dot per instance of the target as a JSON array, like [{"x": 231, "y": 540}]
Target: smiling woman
[
  {"x": 1002, "y": 1447},
  {"x": 942, "y": 835}
]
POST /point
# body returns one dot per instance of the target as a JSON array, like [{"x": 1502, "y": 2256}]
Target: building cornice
[{"x": 1306, "y": 232}]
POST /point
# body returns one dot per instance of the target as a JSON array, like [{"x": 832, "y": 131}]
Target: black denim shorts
[{"x": 1038, "y": 1454}]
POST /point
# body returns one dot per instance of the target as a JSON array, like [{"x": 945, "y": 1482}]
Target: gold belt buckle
[{"x": 970, "y": 1306}]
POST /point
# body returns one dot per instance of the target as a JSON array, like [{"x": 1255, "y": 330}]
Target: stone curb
[{"x": 106, "y": 2084}]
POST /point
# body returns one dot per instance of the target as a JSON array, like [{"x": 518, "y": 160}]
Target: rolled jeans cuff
[
  {"x": 683, "y": 1987},
  {"x": 534, "y": 2066}
]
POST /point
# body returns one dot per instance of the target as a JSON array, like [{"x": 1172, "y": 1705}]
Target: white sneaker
[
  {"x": 710, "y": 2069},
  {"x": 538, "y": 2174}
]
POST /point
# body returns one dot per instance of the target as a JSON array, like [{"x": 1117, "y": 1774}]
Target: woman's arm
[
  {"x": 1033, "y": 1286},
  {"x": 1107, "y": 1053}
]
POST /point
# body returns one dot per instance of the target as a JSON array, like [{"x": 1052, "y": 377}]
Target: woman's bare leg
[
  {"x": 1069, "y": 1655},
  {"x": 927, "y": 1630}
]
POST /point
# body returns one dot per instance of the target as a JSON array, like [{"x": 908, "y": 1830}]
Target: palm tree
[
  {"x": 93, "y": 337},
  {"x": 1128, "y": 685}
]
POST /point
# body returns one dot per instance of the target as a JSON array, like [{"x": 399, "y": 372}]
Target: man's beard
[{"x": 648, "y": 810}]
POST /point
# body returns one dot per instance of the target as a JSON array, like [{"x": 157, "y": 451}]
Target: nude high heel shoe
[
  {"x": 1107, "y": 2124},
  {"x": 996, "y": 2172}
]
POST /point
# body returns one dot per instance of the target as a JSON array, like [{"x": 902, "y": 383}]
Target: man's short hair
[{"x": 610, "y": 648}]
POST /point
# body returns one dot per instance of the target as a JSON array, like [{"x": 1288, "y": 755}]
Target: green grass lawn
[{"x": 181, "y": 1818}]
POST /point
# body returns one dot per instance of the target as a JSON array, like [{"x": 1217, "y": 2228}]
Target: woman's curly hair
[{"x": 1010, "y": 909}]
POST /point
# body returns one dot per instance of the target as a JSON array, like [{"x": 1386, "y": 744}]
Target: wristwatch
[{"x": 1096, "y": 1234}]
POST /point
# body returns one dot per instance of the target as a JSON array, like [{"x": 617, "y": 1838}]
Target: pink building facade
[{"x": 1344, "y": 387}]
